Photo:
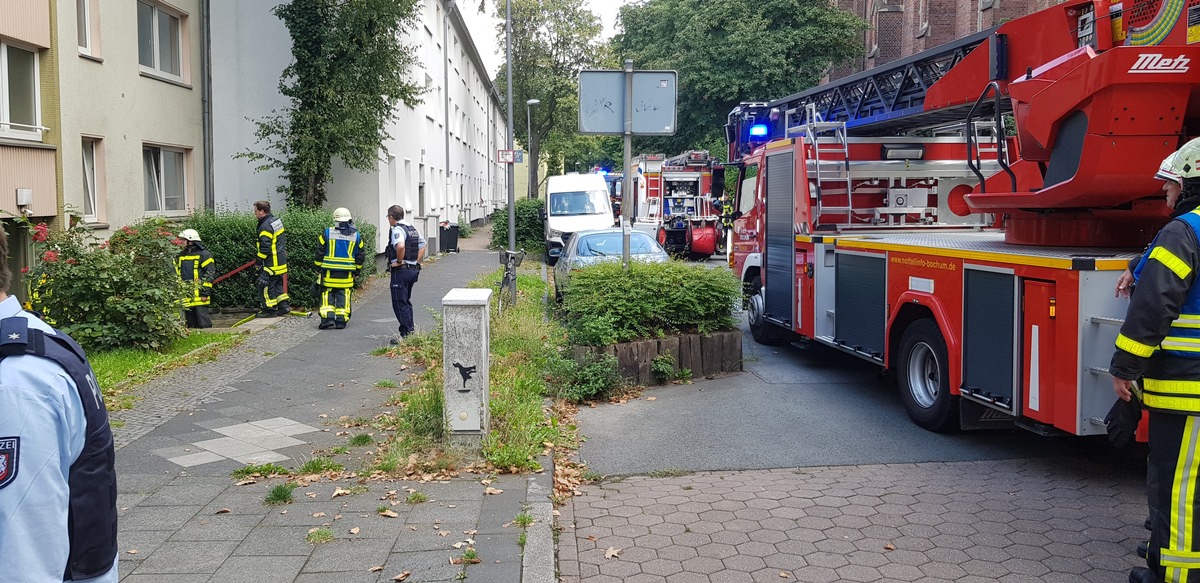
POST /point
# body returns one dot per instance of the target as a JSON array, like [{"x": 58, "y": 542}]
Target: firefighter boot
[
  {"x": 326, "y": 323},
  {"x": 1143, "y": 549},
  {"x": 1142, "y": 575}
]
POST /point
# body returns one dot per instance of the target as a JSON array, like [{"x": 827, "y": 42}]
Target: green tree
[
  {"x": 348, "y": 74},
  {"x": 728, "y": 51},
  {"x": 551, "y": 41}
]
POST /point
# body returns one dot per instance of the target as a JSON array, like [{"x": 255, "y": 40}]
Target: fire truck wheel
[
  {"x": 762, "y": 332},
  {"x": 924, "y": 377}
]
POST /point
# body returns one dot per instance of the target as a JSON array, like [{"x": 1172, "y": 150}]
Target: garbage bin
[{"x": 448, "y": 238}]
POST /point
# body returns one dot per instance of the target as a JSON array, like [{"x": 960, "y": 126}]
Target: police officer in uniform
[
  {"x": 406, "y": 250},
  {"x": 271, "y": 262},
  {"x": 340, "y": 255},
  {"x": 58, "y": 486},
  {"x": 196, "y": 267},
  {"x": 1160, "y": 342}
]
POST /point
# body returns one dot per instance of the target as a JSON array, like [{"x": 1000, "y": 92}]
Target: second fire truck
[{"x": 960, "y": 217}]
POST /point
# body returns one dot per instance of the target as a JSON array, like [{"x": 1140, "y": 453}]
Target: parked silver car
[{"x": 601, "y": 245}]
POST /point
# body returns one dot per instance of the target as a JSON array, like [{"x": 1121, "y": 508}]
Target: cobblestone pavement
[{"x": 1052, "y": 520}]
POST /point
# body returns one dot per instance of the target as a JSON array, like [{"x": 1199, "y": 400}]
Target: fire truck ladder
[
  {"x": 836, "y": 148},
  {"x": 888, "y": 99}
]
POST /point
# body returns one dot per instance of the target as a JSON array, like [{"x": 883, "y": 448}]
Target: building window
[
  {"x": 83, "y": 24},
  {"x": 160, "y": 49},
  {"x": 163, "y": 172},
  {"x": 19, "y": 109},
  {"x": 91, "y": 183}
]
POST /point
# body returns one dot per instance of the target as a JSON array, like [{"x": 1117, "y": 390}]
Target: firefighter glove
[
  {"x": 1122, "y": 421},
  {"x": 263, "y": 280}
]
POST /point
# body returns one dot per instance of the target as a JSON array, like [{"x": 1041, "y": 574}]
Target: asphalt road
[{"x": 797, "y": 407}]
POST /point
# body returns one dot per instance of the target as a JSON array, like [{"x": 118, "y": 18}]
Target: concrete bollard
[{"x": 465, "y": 342}]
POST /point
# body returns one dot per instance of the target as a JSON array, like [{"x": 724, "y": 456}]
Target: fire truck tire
[
  {"x": 924, "y": 377},
  {"x": 760, "y": 330}
]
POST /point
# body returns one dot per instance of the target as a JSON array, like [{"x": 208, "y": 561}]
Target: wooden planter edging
[{"x": 704, "y": 355}]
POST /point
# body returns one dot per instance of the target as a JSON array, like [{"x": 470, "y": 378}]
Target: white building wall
[
  {"x": 106, "y": 96},
  {"x": 412, "y": 170}
]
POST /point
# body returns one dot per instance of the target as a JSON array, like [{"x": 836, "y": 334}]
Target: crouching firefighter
[
  {"x": 58, "y": 484},
  {"x": 340, "y": 255},
  {"x": 1160, "y": 341},
  {"x": 197, "y": 270}
]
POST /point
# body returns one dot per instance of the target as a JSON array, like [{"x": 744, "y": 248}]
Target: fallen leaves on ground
[
  {"x": 389, "y": 513},
  {"x": 889, "y": 547},
  {"x": 354, "y": 530},
  {"x": 612, "y": 553},
  {"x": 246, "y": 482},
  {"x": 784, "y": 575},
  {"x": 132, "y": 551},
  {"x": 651, "y": 398},
  {"x": 222, "y": 511},
  {"x": 401, "y": 576},
  {"x": 376, "y": 569},
  {"x": 490, "y": 491},
  {"x": 340, "y": 492}
]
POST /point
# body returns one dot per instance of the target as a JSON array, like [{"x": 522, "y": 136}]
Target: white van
[{"x": 574, "y": 202}]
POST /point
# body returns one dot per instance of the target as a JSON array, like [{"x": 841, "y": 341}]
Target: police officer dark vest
[{"x": 92, "y": 516}]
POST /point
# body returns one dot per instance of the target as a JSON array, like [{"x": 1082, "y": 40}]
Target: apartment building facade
[{"x": 440, "y": 161}]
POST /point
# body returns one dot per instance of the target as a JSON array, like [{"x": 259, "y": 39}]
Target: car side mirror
[
  {"x": 542, "y": 214},
  {"x": 737, "y": 215},
  {"x": 555, "y": 252}
]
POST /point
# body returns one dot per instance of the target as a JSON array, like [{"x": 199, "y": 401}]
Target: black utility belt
[{"x": 416, "y": 266}]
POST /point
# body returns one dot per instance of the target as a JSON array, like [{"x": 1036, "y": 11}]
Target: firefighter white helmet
[
  {"x": 1166, "y": 170},
  {"x": 190, "y": 235},
  {"x": 1187, "y": 160},
  {"x": 341, "y": 215}
]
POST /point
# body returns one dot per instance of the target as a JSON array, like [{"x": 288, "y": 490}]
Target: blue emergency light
[{"x": 759, "y": 130}]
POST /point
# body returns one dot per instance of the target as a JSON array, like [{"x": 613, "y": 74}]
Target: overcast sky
[{"x": 483, "y": 27}]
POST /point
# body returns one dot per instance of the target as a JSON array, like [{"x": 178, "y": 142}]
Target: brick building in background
[{"x": 900, "y": 28}]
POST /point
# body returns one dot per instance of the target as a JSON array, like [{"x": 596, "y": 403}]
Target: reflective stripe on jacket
[
  {"x": 197, "y": 269},
  {"x": 272, "y": 245},
  {"x": 1161, "y": 334},
  {"x": 340, "y": 253}
]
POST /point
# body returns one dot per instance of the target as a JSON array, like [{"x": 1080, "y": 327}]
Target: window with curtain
[{"x": 164, "y": 179}]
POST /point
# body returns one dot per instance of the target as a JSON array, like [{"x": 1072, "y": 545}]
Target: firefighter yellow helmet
[
  {"x": 341, "y": 215},
  {"x": 1187, "y": 160},
  {"x": 190, "y": 235}
]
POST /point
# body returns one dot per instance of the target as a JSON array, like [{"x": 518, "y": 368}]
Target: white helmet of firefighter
[
  {"x": 190, "y": 235},
  {"x": 1187, "y": 160},
  {"x": 1166, "y": 170},
  {"x": 341, "y": 215}
]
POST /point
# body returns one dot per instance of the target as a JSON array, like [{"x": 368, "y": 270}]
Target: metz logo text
[{"x": 1156, "y": 63}]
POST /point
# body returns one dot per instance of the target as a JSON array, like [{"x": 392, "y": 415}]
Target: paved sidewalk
[{"x": 278, "y": 397}]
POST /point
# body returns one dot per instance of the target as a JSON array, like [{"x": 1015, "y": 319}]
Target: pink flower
[
  {"x": 40, "y": 233},
  {"x": 50, "y": 256},
  {"x": 25, "y": 269},
  {"x": 178, "y": 242}
]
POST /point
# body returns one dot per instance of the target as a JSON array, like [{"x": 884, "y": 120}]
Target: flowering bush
[{"x": 120, "y": 293}]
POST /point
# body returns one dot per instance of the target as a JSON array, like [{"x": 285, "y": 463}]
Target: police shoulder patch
[{"x": 10, "y": 453}]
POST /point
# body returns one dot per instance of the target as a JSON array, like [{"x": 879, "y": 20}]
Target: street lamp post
[
  {"x": 533, "y": 157},
  {"x": 512, "y": 203}
]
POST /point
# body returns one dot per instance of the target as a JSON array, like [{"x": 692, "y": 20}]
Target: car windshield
[
  {"x": 579, "y": 202},
  {"x": 609, "y": 244}
]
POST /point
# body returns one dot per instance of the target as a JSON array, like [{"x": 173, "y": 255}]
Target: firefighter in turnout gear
[
  {"x": 340, "y": 255},
  {"x": 196, "y": 267},
  {"x": 1160, "y": 342},
  {"x": 271, "y": 262}
]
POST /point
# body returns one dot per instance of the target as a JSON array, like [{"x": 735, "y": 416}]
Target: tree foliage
[
  {"x": 551, "y": 41},
  {"x": 348, "y": 74},
  {"x": 728, "y": 51}
]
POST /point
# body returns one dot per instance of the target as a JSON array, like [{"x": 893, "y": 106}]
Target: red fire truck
[
  {"x": 690, "y": 224},
  {"x": 960, "y": 217}
]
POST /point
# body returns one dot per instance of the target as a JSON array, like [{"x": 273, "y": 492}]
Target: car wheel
[
  {"x": 924, "y": 377},
  {"x": 762, "y": 331}
]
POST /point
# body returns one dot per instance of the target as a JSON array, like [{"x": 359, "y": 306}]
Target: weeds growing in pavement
[
  {"x": 319, "y": 465},
  {"x": 523, "y": 520},
  {"x": 318, "y": 536},
  {"x": 385, "y": 384},
  {"x": 280, "y": 494},
  {"x": 264, "y": 470},
  {"x": 361, "y": 439},
  {"x": 416, "y": 498}
]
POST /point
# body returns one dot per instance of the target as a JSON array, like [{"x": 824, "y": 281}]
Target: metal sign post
[{"x": 627, "y": 103}]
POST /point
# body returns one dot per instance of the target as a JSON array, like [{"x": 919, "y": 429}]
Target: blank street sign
[{"x": 602, "y": 99}]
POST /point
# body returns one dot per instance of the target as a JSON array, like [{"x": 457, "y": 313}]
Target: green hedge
[
  {"x": 606, "y": 304},
  {"x": 232, "y": 238},
  {"x": 531, "y": 231}
]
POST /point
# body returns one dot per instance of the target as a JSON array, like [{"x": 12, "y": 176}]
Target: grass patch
[
  {"x": 265, "y": 470},
  {"x": 319, "y": 465},
  {"x": 280, "y": 494},
  {"x": 118, "y": 371},
  {"x": 381, "y": 351},
  {"x": 416, "y": 498},
  {"x": 361, "y": 439},
  {"x": 522, "y": 538},
  {"x": 523, "y": 520},
  {"x": 318, "y": 536},
  {"x": 339, "y": 450},
  {"x": 386, "y": 384}
]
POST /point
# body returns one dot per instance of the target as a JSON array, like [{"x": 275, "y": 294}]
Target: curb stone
[{"x": 537, "y": 560}]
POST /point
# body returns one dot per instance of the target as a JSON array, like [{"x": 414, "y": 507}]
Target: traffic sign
[{"x": 510, "y": 156}]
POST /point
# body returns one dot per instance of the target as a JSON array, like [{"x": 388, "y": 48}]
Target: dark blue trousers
[{"x": 402, "y": 284}]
